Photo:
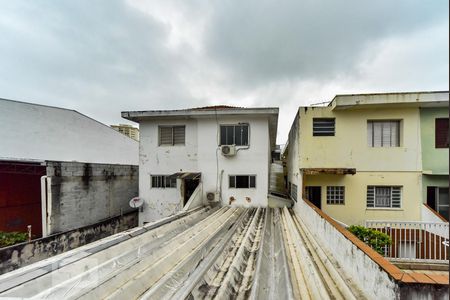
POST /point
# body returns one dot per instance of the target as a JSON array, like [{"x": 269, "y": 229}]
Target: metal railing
[{"x": 415, "y": 241}]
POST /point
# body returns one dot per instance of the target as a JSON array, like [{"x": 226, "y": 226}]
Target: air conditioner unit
[
  {"x": 212, "y": 196},
  {"x": 228, "y": 150}
]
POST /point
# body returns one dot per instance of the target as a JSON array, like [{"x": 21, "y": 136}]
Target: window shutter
[
  {"x": 165, "y": 135},
  {"x": 179, "y": 134},
  {"x": 370, "y": 134},
  {"x": 377, "y": 134},
  {"x": 395, "y": 130},
  {"x": 386, "y": 135},
  {"x": 441, "y": 133},
  {"x": 323, "y": 126},
  {"x": 396, "y": 196},
  {"x": 370, "y": 196}
]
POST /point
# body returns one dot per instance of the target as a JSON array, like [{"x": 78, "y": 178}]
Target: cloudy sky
[{"x": 102, "y": 57}]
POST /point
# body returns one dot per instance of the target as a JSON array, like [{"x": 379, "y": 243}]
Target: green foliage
[
  {"x": 374, "y": 238},
  {"x": 11, "y": 238}
]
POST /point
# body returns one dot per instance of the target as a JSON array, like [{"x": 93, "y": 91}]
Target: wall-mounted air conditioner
[
  {"x": 228, "y": 150},
  {"x": 212, "y": 197}
]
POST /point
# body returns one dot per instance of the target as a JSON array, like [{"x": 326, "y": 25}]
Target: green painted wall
[
  {"x": 434, "y": 160},
  {"x": 432, "y": 180}
]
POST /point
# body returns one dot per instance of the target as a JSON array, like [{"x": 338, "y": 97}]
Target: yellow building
[
  {"x": 360, "y": 157},
  {"x": 128, "y": 130}
]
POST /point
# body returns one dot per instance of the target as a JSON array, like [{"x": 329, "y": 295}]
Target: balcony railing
[{"x": 415, "y": 241}]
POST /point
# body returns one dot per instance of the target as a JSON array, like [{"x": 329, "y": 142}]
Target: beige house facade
[{"x": 360, "y": 157}]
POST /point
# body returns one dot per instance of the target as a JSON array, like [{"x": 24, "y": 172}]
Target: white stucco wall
[
  {"x": 199, "y": 155},
  {"x": 37, "y": 132}
]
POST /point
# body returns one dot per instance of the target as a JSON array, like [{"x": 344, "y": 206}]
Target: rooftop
[{"x": 400, "y": 99}]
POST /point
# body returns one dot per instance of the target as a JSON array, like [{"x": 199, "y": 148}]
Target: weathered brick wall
[{"x": 81, "y": 194}]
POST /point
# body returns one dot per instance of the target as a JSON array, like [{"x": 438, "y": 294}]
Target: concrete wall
[
  {"x": 293, "y": 173},
  {"x": 354, "y": 262},
  {"x": 37, "y": 132},
  {"x": 83, "y": 194},
  {"x": 202, "y": 154},
  {"x": 21, "y": 255}
]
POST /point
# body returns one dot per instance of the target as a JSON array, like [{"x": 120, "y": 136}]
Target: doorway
[
  {"x": 314, "y": 195},
  {"x": 189, "y": 187}
]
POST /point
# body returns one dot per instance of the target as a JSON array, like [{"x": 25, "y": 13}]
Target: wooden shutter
[{"x": 441, "y": 133}]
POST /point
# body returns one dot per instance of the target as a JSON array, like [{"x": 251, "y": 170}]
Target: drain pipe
[{"x": 44, "y": 205}]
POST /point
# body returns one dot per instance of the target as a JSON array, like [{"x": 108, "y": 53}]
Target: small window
[
  {"x": 242, "y": 181},
  {"x": 234, "y": 134},
  {"x": 384, "y": 196},
  {"x": 163, "y": 181},
  {"x": 335, "y": 195},
  {"x": 172, "y": 135},
  {"x": 383, "y": 133},
  {"x": 323, "y": 126},
  {"x": 441, "y": 133}
]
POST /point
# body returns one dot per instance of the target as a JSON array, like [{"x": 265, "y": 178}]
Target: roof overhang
[
  {"x": 331, "y": 171},
  {"x": 392, "y": 100},
  {"x": 186, "y": 175},
  {"x": 270, "y": 112}
]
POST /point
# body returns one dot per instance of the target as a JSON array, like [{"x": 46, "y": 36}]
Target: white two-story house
[{"x": 217, "y": 154}]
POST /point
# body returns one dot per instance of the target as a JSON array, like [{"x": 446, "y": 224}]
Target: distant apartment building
[
  {"x": 127, "y": 130},
  {"x": 213, "y": 154},
  {"x": 372, "y": 156}
]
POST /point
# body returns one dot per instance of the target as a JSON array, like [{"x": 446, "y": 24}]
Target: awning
[
  {"x": 186, "y": 175},
  {"x": 333, "y": 171}
]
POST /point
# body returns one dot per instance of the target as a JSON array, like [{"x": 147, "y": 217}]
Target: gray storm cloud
[{"x": 101, "y": 57}]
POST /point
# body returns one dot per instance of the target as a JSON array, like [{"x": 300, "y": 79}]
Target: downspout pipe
[{"x": 44, "y": 205}]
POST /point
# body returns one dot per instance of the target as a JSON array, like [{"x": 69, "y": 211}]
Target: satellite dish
[{"x": 136, "y": 202}]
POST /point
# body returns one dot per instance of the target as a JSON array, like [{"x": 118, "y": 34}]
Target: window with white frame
[
  {"x": 335, "y": 195},
  {"x": 384, "y": 196},
  {"x": 384, "y": 133},
  {"x": 172, "y": 135},
  {"x": 234, "y": 134},
  {"x": 242, "y": 181},
  {"x": 163, "y": 181}
]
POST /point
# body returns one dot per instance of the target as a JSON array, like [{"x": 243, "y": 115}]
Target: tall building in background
[{"x": 128, "y": 130}]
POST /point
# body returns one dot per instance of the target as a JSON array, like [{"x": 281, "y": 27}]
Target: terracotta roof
[{"x": 214, "y": 107}]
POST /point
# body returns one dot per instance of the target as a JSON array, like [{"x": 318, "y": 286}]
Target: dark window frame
[
  {"x": 321, "y": 128},
  {"x": 251, "y": 181},
  {"x": 441, "y": 139},
  {"x": 162, "y": 181},
  {"x": 224, "y": 139}
]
